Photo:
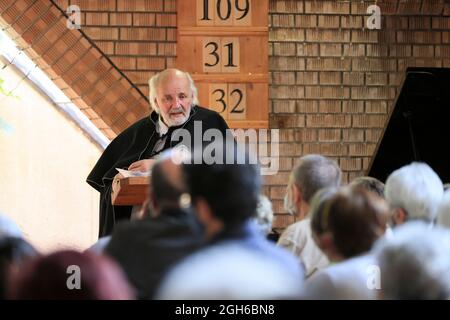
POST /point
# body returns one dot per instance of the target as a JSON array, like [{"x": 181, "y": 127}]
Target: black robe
[{"x": 133, "y": 144}]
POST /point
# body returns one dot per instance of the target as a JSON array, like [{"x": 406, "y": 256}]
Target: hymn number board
[{"x": 224, "y": 45}]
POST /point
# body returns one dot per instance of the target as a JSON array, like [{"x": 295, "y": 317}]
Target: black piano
[{"x": 419, "y": 125}]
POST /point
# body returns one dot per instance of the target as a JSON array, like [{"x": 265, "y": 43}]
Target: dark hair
[
  {"x": 354, "y": 217},
  {"x": 164, "y": 190},
  {"x": 370, "y": 184},
  {"x": 231, "y": 190},
  {"x": 47, "y": 277},
  {"x": 13, "y": 252}
]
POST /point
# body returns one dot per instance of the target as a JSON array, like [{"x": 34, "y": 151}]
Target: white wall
[{"x": 44, "y": 163}]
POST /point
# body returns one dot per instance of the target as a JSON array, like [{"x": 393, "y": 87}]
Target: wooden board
[
  {"x": 129, "y": 191},
  {"x": 224, "y": 45}
]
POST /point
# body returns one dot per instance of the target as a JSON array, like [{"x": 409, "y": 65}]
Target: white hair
[
  {"x": 230, "y": 271},
  {"x": 443, "y": 211},
  {"x": 154, "y": 81},
  {"x": 417, "y": 189},
  {"x": 414, "y": 263}
]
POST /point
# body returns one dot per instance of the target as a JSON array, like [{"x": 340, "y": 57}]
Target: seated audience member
[
  {"x": 375, "y": 186},
  {"x": 370, "y": 184},
  {"x": 415, "y": 263},
  {"x": 148, "y": 247},
  {"x": 443, "y": 211},
  {"x": 70, "y": 275},
  {"x": 14, "y": 252},
  {"x": 345, "y": 225},
  {"x": 312, "y": 173},
  {"x": 239, "y": 262},
  {"x": 413, "y": 193}
]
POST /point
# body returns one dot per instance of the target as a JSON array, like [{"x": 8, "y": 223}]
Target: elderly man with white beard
[{"x": 174, "y": 100}]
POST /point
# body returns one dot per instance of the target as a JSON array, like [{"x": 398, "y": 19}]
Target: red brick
[
  {"x": 286, "y": 92},
  {"x": 368, "y": 121},
  {"x": 329, "y": 64},
  {"x": 96, "y": 18},
  {"x": 286, "y": 63},
  {"x": 320, "y": 35},
  {"x": 283, "y": 78},
  {"x": 419, "y": 23},
  {"x": 289, "y": 121},
  {"x": 328, "y": 121},
  {"x": 306, "y": 135},
  {"x": 286, "y": 34},
  {"x": 353, "y": 135},
  {"x": 350, "y": 164},
  {"x": 330, "y": 106},
  {"x": 305, "y": 21},
  {"x": 361, "y": 149},
  {"x": 327, "y": 7},
  {"x": 140, "y": 5},
  {"x": 120, "y": 19},
  {"x": 353, "y": 78},
  {"x": 307, "y": 77},
  {"x": 328, "y": 22},
  {"x": 307, "y": 106},
  {"x": 284, "y": 49},
  {"x": 330, "y": 77},
  {"x": 144, "y": 19},
  {"x": 376, "y": 107},
  {"x": 376, "y": 79},
  {"x": 327, "y": 92},
  {"x": 98, "y": 33},
  {"x": 331, "y": 50},
  {"x": 329, "y": 135},
  {"x": 290, "y": 149},
  {"x": 166, "y": 20},
  {"x": 284, "y": 106},
  {"x": 128, "y": 48},
  {"x": 373, "y": 135},
  {"x": 352, "y": 22},
  {"x": 307, "y": 49},
  {"x": 352, "y": 106},
  {"x": 98, "y": 5},
  {"x": 282, "y": 20},
  {"x": 148, "y": 34}
]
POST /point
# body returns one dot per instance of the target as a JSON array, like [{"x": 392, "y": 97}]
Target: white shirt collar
[{"x": 161, "y": 128}]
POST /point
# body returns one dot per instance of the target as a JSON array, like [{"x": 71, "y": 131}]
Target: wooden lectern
[{"x": 129, "y": 191}]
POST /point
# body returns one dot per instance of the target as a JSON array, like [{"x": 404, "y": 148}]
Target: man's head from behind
[
  {"x": 223, "y": 195},
  {"x": 414, "y": 192},
  {"x": 172, "y": 94},
  {"x": 312, "y": 173},
  {"x": 167, "y": 184}
]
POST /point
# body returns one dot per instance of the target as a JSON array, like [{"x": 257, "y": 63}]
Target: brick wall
[
  {"x": 333, "y": 82},
  {"x": 138, "y": 35}
]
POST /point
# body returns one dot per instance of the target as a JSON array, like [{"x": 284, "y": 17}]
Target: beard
[{"x": 176, "y": 117}]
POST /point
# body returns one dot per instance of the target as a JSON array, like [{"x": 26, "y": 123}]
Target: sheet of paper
[{"x": 127, "y": 173}]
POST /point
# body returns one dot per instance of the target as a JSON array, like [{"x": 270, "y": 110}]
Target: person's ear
[
  {"x": 400, "y": 216},
  {"x": 297, "y": 194}
]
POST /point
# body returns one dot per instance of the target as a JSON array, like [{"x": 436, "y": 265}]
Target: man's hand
[{"x": 142, "y": 165}]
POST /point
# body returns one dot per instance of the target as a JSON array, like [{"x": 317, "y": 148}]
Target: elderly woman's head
[{"x": 345, "y": 223}]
